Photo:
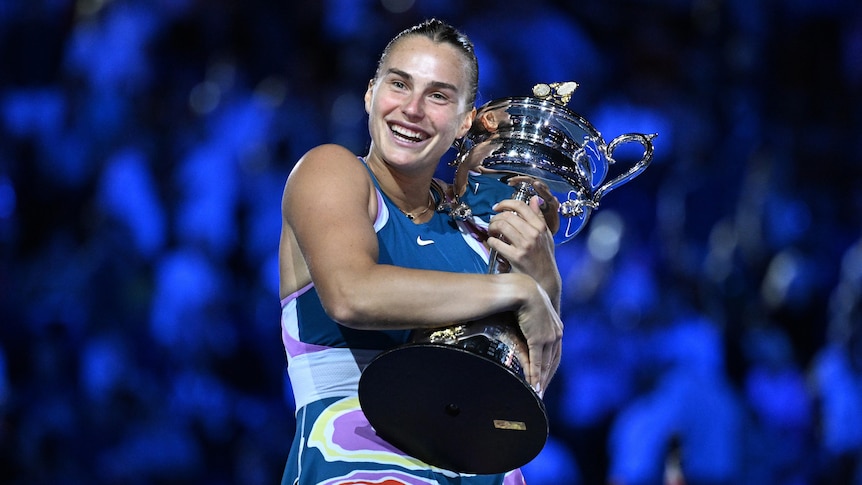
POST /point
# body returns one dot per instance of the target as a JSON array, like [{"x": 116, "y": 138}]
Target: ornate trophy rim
[{"x": 543, "y": 105}]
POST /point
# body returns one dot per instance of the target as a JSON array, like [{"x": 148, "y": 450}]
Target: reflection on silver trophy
[
  {"x": 457, "y": 397},
  {"x": 539, "y": 137}
]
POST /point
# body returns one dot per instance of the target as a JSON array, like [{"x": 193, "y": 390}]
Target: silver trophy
[
  {"x": 540, "y": 138},
  {"x": 457, "y": 397}
]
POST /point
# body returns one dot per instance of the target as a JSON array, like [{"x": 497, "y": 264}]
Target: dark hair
[{"x": 441, "y": 33}]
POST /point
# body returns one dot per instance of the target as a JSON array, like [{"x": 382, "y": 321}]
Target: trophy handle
[{"x": 634, "y": 170}]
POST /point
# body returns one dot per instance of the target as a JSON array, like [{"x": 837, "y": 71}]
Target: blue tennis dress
[{"x": 334, "y": 443}]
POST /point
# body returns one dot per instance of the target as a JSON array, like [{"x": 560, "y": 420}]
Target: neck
[
  {"x": 410, "y": 191},
  {"x": 415, "y": 215}
]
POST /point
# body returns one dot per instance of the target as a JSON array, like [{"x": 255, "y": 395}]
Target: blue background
[{"x": 712, "y": 305}]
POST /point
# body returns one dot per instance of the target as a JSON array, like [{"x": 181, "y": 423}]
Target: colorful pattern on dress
[
  {"x": 383, "y": 477},
  {"x": 342, "y": 449},
  {"x": 342, "y": 433}
]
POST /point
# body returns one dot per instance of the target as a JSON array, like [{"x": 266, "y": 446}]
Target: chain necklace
[{"x": 412, "y": 216}]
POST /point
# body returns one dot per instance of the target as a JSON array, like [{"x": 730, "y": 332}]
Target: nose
[{"x": 414, "y": 106}]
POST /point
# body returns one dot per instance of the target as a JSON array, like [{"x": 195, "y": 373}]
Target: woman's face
[{"x": 417, "y": 106}]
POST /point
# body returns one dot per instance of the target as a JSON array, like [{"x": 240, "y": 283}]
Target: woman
[{"x": 365, "y": 257}]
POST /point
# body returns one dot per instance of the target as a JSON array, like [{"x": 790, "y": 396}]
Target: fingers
[
  {"x": 517, "y": 222},
  {"x": 544, "y": 349},
  {"x": 520, "y": 235},
  {"x": 534, "y": 376},
  {"x": 548, "y": 204},
  {"x": 544, "y": 361},
  {"x": 540, "y": 212},
  {"x": 530, "y": 211}
]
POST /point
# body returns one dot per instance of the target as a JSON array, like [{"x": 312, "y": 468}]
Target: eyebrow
[{"x": 436, "y": 84}]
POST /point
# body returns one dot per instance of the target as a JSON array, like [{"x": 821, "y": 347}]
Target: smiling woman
[
  {"x": 418, "y": 104},
  {"x": 397, "y": 262}
]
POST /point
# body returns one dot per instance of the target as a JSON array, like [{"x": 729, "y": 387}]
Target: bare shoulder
[
  {"x": 328, "y": 157},
  {"x": 329, "y": 176},
  {"x": 326, "y": 167}
]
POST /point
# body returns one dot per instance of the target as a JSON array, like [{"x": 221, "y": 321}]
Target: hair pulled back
[{"x": 440, "y": 32}]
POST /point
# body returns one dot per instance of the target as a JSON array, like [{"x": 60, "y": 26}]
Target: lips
[{"x": 407, "y": 134}]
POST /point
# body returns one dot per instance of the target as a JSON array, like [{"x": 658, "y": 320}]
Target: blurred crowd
[{"x": 713, "y": 306}]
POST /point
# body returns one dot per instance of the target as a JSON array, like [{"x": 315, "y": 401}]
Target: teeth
[{"x": 406, "y": 133}]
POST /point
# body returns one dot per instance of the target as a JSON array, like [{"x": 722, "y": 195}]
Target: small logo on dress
[{"x": 423, "y": 242}]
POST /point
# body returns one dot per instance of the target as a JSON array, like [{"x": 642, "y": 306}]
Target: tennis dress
[{"x": 334, "y": 443}]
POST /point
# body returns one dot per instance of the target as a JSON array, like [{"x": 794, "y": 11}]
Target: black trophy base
[{"x": 453, "y": 409}]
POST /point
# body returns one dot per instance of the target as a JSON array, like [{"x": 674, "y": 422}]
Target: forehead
[{"x": 423, "y": 58}]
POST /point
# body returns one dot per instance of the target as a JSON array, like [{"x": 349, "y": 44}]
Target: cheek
[
  {"x": 454, "y": 126},
  {"x": 381, "y": 105}
]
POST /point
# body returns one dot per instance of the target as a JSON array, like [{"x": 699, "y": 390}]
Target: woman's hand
[
  {"x": 543, "y": 330},
  {"x": 548, "y": 203},
  {"x": 520, "y": 235}
]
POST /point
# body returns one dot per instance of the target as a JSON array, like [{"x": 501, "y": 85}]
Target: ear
[
  {"x": 368, "y": 93},
  {"x": 466, "y": 123}
]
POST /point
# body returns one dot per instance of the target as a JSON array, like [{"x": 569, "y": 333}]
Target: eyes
[{"x": 434, "y": 93}]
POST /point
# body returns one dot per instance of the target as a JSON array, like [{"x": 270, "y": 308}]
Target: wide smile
[{"x": 407, "y": 135}]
